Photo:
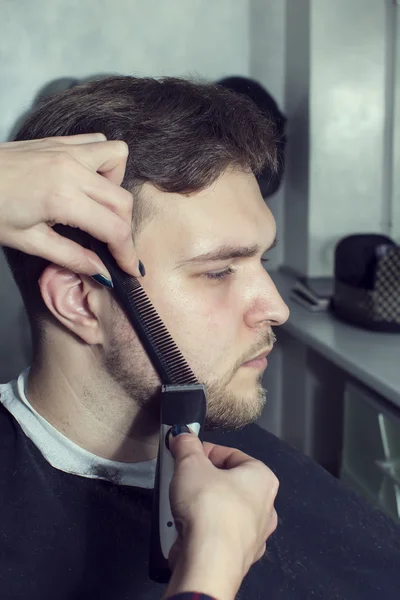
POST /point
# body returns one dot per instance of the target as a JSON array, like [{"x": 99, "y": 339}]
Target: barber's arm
[
  {"x": 223, "y": 505},
  {"x": 72, "y": 181}
]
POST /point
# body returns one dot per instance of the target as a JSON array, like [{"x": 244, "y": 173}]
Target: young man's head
[{"x": 200, "y": 227}]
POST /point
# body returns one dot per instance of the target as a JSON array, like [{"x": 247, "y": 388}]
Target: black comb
[{"x": 157, "y": 341}]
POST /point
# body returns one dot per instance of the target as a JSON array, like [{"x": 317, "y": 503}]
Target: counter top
[{"x": 372, "y": 357}]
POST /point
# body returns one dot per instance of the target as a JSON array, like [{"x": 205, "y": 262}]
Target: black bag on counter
[{"x": 367, "y": 282}]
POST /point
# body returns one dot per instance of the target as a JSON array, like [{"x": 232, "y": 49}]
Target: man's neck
[{"x": 82, "y": 402}]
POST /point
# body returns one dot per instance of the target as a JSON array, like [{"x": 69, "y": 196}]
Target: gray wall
[
  {"x": 47, "y": 39},
  {"x": 297, "y": 90},
  {"x": 339, "y": 96},
  {"x": 267, "y": 65},
  {"x": 395, "y": 139},
  {"x": 347, "y": 124}
]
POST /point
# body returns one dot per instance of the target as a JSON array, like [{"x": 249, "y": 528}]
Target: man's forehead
[
  {"x": 231, "y": 197},
  {"x": 225, "y": 218}
]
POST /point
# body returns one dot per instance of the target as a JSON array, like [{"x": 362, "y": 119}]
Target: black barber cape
[{"x": 66, "y": 537}]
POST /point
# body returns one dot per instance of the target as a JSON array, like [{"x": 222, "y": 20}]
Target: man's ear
[{"x": 75, "y": 301}]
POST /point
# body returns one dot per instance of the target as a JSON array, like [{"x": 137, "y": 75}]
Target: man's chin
[{"x": 232, "y": 410}]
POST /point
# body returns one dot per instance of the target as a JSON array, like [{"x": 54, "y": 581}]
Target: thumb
[{"x": 183, "y": 442}]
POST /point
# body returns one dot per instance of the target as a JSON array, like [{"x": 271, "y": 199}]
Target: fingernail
[
  {"x": 142, "y": 269},
  {"x": 103, "y": 280},
  {"x": 179, "y": 430}
]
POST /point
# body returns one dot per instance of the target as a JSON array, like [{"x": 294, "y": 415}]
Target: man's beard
[{"x": 227, "y": 409}]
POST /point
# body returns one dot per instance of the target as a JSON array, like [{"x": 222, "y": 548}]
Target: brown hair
[{"x": 181, "y": 136}]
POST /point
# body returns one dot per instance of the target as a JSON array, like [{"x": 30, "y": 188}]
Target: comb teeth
[{"x": 164, "y": 353}]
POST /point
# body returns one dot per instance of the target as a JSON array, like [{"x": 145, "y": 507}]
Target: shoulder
[
  {"x": 307, "y": 488},
  {"x": 260, "y": 444}
]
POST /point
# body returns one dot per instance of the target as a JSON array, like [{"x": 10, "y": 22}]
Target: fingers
[
  {"x": 64, "y": 170},
  {"x": 120, "y": 201},
  {"x": 225, "y": 458},
  {"x": 107, "y": 158},
  {"x": 107, "y": 193},
  {"x": 274, "y": 520},
  {"x": 91, "y": 149},
  {"x": 271, "y": 527},
  {"x": 185, "y": 445},
  {"x": 261, "y": 552},
  {"x": 62, "y": 251},
  {"x": 123, "y": 250},
  {"x": 81, "y": 138},
  {"x": 103, "y": 225},
  {"x": 230, "y": 458},
  {"x": 92, "y": 217}
]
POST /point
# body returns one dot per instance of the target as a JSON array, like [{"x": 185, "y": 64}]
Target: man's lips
[{"x": 259, "y": 361}]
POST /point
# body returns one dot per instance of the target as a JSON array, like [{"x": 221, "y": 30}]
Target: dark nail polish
[
  {"x": 103, "y": 280},
  {"x": 179, "y": 429},
  {"x": 142, "y": 269}
]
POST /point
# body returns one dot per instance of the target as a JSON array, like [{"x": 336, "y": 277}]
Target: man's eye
[
  {"x": 264, "y": 260},
  {"x": 220, "y": 274}
]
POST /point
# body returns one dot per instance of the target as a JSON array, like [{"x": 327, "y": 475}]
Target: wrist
[{"x": 208, "y": 567}]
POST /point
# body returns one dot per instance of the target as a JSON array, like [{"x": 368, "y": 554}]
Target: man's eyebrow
[{"x": 228, "y": 252}]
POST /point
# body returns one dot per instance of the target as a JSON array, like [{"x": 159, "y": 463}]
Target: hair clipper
[{"x": 180, "y": 404}]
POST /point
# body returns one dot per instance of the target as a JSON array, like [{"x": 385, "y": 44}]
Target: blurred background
[{"x": 333, "y": 69}]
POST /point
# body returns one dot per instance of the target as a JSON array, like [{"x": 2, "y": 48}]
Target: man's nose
[{"x": 267, "y": 306}]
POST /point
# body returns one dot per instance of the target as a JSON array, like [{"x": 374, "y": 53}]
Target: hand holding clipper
[
  {"x": 185, "y": 405},
  {"x": 223, "y": 504}
]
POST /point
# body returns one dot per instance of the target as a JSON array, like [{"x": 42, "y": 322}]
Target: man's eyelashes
[{"x": 229, "y": 271}]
